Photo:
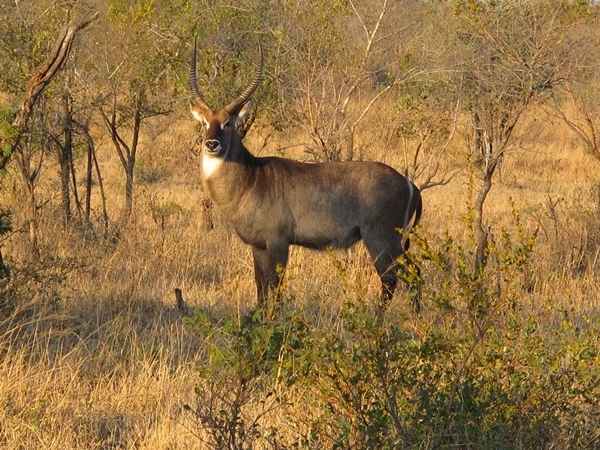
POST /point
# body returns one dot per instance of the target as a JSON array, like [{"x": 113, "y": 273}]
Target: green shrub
[
  {"x": 247, "y": 365},
  {"x": 482, "y": 367}
]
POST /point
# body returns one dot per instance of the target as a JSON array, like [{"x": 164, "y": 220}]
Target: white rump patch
[{"x": 210, "y": 164}]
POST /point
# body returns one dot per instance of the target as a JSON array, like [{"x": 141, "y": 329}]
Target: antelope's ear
[
  {"x": 244, "y": 111},
  {"x": 198, "y": 113}
]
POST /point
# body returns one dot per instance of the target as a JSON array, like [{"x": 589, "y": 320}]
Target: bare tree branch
[{"x": 41, "y": 77}]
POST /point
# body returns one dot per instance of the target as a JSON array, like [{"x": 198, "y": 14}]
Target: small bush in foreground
[{"x": 247, "y": 364}]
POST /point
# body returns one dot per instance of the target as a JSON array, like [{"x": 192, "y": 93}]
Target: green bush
[
  {"x": 480, "y": 368},
  {"x": 247, "y": 364}
]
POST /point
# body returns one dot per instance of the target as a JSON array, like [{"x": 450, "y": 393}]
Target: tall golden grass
[{"x": 94, "y": 353}]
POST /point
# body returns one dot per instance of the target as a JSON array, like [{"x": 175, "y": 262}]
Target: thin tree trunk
[
  {"x": 128, "y": 196},
  {"x": 32, "y": 216},
  {"x": 88, "y": 182},
  {"x": 102, "y": 194},
  {"x": 484, "y": 150},
  {"x": 481, "y": 235},
  {"x": 75, "y": 191},
  {"x": 29, "y": 176},
  {"x": 137, "y": 121},
  {"x": 65, "y": 155}
]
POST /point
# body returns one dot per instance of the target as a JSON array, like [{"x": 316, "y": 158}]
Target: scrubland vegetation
[{"x": 490, "y": 107}]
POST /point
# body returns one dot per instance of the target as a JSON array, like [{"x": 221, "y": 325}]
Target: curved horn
[
  {"x": 235, "y": 105},
  {"x": 194, "y": 81}
]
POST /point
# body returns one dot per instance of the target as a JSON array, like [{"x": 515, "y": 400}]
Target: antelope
[{"x": 274, "y": 202}]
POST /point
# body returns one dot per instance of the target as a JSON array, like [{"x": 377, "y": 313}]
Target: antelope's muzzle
[{"x": 212, "y": 145}]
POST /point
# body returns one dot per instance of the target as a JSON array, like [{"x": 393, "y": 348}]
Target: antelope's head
[{"x": 218, "y": 126}]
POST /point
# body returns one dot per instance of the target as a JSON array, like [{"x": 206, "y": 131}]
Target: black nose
[{"x": 211, "y": 144}]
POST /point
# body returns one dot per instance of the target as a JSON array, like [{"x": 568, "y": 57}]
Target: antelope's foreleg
[{"x": 269, "y": 264}]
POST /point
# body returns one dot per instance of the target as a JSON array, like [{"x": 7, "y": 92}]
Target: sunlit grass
[{"x": 95, "y": 354}]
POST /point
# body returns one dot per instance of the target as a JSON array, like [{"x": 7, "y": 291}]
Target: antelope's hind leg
[
  {"x": 384, "y": 261},
  {"x": 388, "y": 257}
]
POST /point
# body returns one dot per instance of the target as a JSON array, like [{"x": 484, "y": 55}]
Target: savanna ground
[{"x": 96, "y": 355}]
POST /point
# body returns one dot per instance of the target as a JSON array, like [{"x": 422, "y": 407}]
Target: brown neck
[{"x": 234, "y": 177}]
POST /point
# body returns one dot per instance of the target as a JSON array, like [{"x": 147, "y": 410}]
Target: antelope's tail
[{"x": 416, "y": 205}]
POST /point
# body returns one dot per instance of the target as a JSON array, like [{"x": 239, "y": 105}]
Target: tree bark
[
  {"x": 131, "y": 155},
  {"x": 88, "y": 178},
  {"x": 65, "y": 155},
  {"x": 29, "y": 171},
  {"x": 102, "y": 195},
  {"x": 481, "y": 235}
]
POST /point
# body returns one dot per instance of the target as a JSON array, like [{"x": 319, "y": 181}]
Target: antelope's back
[{"x": 337, "y": 198}]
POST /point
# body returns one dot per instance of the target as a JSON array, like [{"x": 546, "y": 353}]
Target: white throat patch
[{"x": 210, "y": 165}]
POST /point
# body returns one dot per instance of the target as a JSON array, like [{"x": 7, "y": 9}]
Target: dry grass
[
  {"x": 95, "y": 355},
  {"x": 104, "y": 372}
]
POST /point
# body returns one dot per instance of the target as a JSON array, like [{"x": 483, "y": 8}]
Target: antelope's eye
[{"x": 226, "y": 125}]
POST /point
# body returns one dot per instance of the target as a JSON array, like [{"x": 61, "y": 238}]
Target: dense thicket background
[{"x": 490, "y": 107}]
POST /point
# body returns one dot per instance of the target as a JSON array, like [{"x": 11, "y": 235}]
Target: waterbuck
[{"x": 274, "y": 202}]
